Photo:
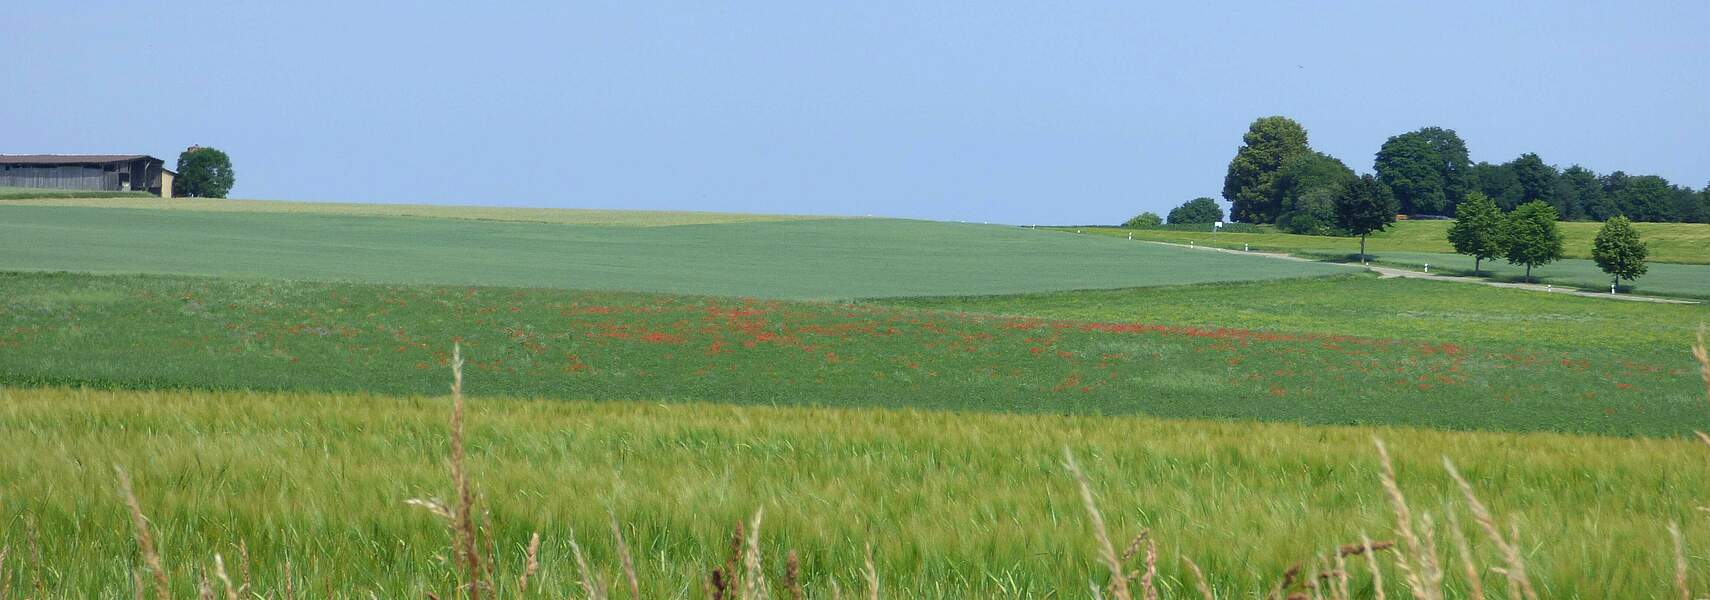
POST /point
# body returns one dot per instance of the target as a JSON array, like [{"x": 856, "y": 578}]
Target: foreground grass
[
  {"x": 957, "y": 504},
  {"x": 176, "y": 332},
  {"x": 1669, "y": 242},
  {"x": 820, "y": 259},
  {"x": 564, "y": 216}
]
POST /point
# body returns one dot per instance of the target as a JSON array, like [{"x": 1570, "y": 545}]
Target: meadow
[
  {"x": 1661, "y": 279},
  {"x": 313, "y": 488},
  {"x": 832, "y": 258},
  {"x": 1626, "y": 375},
  {"x": 1687, "y": 243}
]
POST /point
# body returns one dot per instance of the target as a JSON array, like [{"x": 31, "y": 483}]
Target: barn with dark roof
[{"x": 93, "y": 172}]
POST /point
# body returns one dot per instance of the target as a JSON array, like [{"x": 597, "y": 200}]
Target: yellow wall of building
[{"x": 165, "y": 184}]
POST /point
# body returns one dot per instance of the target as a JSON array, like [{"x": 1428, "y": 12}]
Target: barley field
[{"x": 321, "y": 482}]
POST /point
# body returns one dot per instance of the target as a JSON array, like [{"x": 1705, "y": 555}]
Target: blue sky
[{"x": 1020, "y": 113}]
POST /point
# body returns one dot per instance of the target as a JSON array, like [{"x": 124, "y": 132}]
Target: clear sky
[{"x": 1084, "y": 112}]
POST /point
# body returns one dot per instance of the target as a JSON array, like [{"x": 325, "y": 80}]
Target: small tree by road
[
  {"x": 1477, "y": 231},
  {"x": 1619, "y": 251},
  {"x": 1530, "y": 236},
  {"x": 1364, "y": 206},
  {"x": 203, "y": 173}
]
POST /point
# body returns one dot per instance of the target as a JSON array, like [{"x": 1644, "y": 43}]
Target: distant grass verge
[{"x": 27, "y": 194}]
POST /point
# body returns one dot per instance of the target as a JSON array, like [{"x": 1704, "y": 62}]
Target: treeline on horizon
[{"x": 1277, "y": 178}]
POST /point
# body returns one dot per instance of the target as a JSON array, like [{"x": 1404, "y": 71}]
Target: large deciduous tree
[
  {"x": 1306, "y": 189},
  {"x": 1251, "y": 179},
  {"x": 203, "y": 173},
  {"x": 1477, "y": 231},
  {"x": 1579, "y": 195},
  {"x": 1619, "y": 251},
  {"x": 1365, "y": 206},
  {"x": 1530, "y": 236},
  {"x": 1499, "y": 183},
  {"x": 1428, "y": 170},
  {"x": 1536, "y": 178},
  {"x": 1197, "y": 210}
]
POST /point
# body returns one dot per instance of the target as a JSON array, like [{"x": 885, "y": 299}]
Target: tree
[
  {"x": 1643, "y": 197},
  {"x": 1364, "y": 206},
  {"x": 203, "y": 173},
  {"x": 1579, "y": 195},
  {"x": 1537, "y": 180},
  {"x": 1306, "y": 188},
  {"x": 1248, "y": 185},
  {"x": 1197, "y": 210},
  {"x": 1428, "y": 169},
  {"x": 1477, "y": 231},
  {"x": 1499, "y": 183},
  {"x": 1144, "y": 220},
  {"x": 1618, "y": 250},
  {"x": 1530, "y": 236}
]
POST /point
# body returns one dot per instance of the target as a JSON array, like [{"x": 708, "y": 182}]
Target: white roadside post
[
  {"x": 1245, "y": 248},
  {"x": 1611, "y": 289},
  {"x": 1131, "y": 235},
  {"x": 1427, "y": 267}
]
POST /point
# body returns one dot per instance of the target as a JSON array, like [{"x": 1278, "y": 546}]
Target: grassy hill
[
  {"x": 38, "y": 195},
  {"x": 1669, "y": 242},
  {"x": 833, "y": 258}
]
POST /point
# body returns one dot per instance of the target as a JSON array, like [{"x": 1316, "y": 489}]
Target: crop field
[
  {"x": 837, "y": 258},
  {"x": 151, "y": 331},
  {"x": 564, "y": 216},
  {"x": 274, "y": 379},
  {"x": 1669, "y": 242},
  {"x": 315, "y": 486}
]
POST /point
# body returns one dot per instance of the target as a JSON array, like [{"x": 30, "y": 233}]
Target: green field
[
  {"x": 1627, "y": 374},
  {"x": 565, "y": 216},
  {"x": 957, "y": 505},
  {"x": 271, "y": 374},
  {"x": 1669, "y": 242},
  {"x": 837, "y": 258}
]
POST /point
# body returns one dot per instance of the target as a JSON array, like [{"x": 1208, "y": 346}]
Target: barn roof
[{"x": 69, "y": 159}]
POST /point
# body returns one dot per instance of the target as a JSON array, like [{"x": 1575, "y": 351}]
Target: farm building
[{"x": 95, "y": 172}]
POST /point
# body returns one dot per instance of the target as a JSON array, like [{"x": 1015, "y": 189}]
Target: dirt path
[{"x": 1388, "y": 272}]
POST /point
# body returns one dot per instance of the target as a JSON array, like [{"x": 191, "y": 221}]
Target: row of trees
[
  {"x": 1277, "y": 178},
  {"x": 1529, "y": 236}
]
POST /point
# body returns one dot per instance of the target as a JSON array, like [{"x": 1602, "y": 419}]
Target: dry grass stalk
[
  {"x": 591, "y": 585},
  {"x": 754, "y": 576},
  {"x": 1680, "y": 584},
  {"x": 724, "y": 578},
  {"x": 1417, "y": 564},
  {"x": 6, "y": 580},
  {"x": 1469, "y": 568},
  {"x": 204, "y": 588},
  {"x": 1199, "y": 582},
  {"x": 136, "y": 583},
  {"x": 243, "y": 554},
  {"x": 1515, "y": 566},
  {"x": 463, "y": 524},
  {"x": 531, "y": 562},
  {"x": 290, "y": 583},
  {"x": 872, "y": 573},
  {"x": 1148, "y": 581},
  {"x": 225, "y": 580},
  {"x": 1342, "y": 584},
  {"x": 145, "y": 541},
  {"x": 1118, "y": 579},
  {"x": 625, "y": 560},
  {"x": 1369, "y": 550},
  {"x": 1701, "y": 351},
  {"x": 793, "y": 575}
]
